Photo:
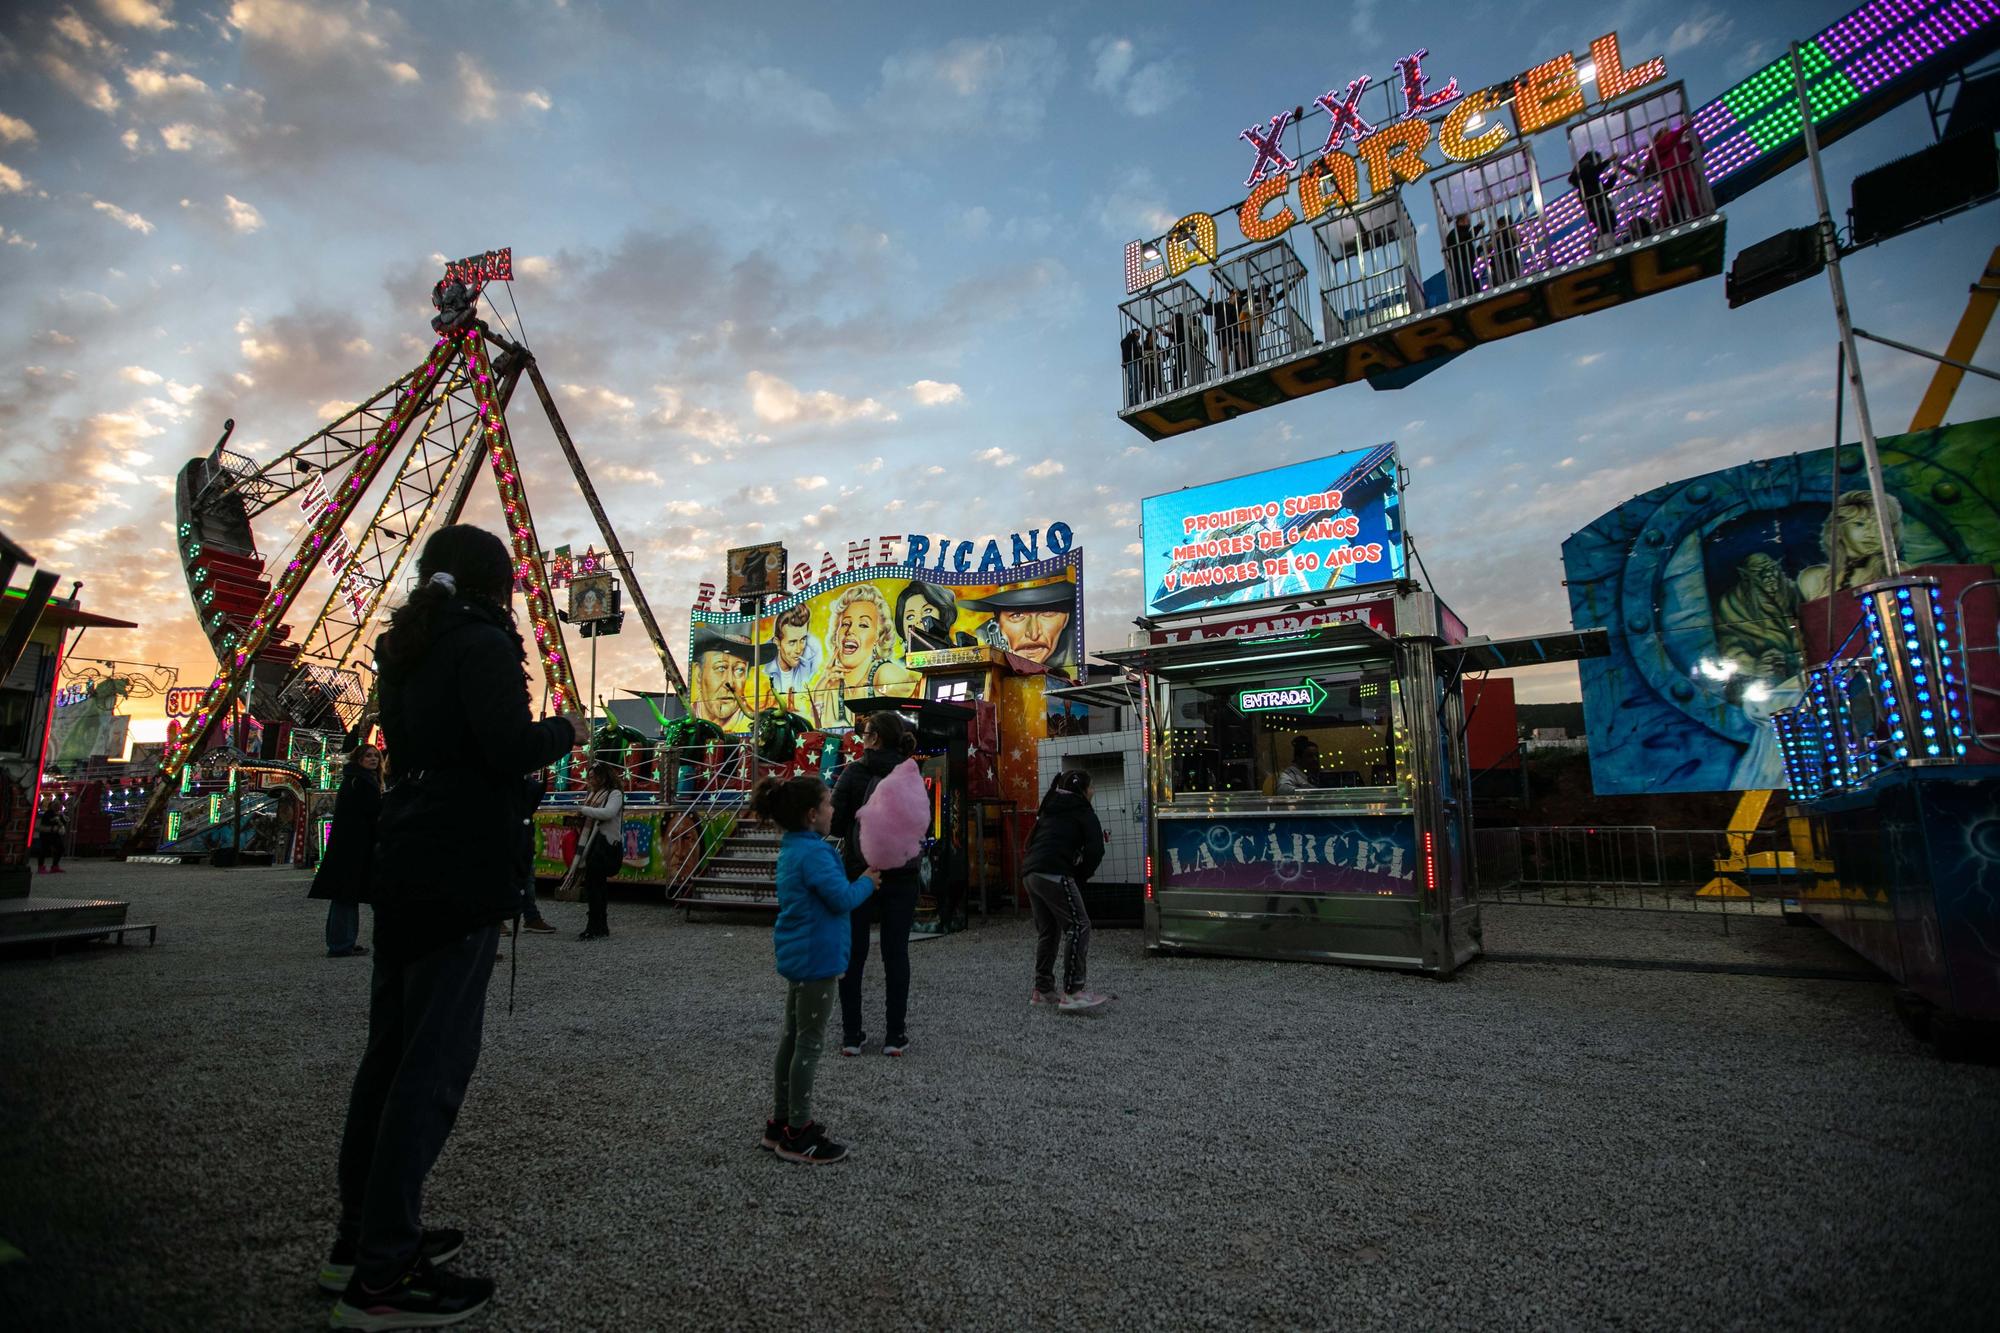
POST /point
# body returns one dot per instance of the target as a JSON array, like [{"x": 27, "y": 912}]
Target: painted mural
[
  {"x": 847, "y": 637},
  {"x": 1700, "y": 584}
]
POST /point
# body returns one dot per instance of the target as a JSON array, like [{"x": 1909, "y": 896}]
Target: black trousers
[
  {"x": 49, "y": 845},
  {"x": 896, "y": 909},
  {"x": 595, "y": 884},
  {"x": 425, "y": 1017}
]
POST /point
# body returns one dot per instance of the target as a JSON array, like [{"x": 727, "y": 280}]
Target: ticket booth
[{"x": 1308, "y": 792}]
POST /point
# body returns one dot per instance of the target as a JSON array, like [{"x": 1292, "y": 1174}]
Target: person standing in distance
[
  {"x": 345, "y": 865},
  {"x": 1063, "y": 851},
  {"x": 454, "y": 701},
  {"x": 889, "y": 742},
  {"x": 603, "y": 844}
]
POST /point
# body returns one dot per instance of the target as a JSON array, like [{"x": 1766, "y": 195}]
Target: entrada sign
[
  {"x": 1391, "y": 151},
  {"x": 1308, "y": 696}
]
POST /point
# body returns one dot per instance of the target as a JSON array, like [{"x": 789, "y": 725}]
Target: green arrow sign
[{"x": 1308, "y": 696}]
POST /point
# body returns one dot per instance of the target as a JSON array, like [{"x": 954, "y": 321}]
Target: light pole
[{"x": 1878, "y": 495}]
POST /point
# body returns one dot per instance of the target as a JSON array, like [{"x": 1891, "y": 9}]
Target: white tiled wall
[{"x": 1118, "y": 785}]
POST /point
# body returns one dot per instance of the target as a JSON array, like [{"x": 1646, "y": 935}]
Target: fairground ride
[{"x": 439, "y": 424}]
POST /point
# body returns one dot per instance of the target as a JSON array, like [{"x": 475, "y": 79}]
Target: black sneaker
[
  {"x": 896, "y": 1045},
  {"x": 423, "y": 1297},
  {"x": 774, "y": 1130},
  {"x": 439, "y": 1247},
  {"x": 810, "y": 1145}
]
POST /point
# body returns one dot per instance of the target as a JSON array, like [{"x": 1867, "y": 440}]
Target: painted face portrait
[
  {"x": 1033, "y": 634},
  {"x": 855, "y": 634},
  {"x": 919, "y": 614},
  {"x": 720, "y": 676},
  {"x": 791, "y": 645}
]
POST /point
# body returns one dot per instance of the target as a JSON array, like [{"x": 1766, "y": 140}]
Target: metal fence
[{"x": 1636, "y": 867}]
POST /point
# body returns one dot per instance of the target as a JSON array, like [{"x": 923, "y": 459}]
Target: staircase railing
[{"x": 720, "y": 792}]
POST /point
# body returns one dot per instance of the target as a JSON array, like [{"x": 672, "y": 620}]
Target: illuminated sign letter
[
  {"x": 1547, "y": 94},
  {"x": 857, "y": 554},
  {"x": 1337, "y": 169},
  {"x": 1138, "y": 273},
  {"x": 1195, "y": 232},
  {"x": 989, "y": 558},
  {"x": 1269, "y": 147},
  {"x": 1060, "y": 539},
  {"x": 1029, "y": 551},
  {"x": 1346, "y": 114},
  {"x": 1250, "y": 218},
  {"x": 1452, "y": 139},
  {"x": 1613, "y": 79},
  {"x": 961, "y": 557},
  {"x": 1416, "y": 101},
  {"x": 1395, "y": 155}
]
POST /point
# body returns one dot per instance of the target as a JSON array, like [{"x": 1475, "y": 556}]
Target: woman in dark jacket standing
[
  {"x": 889, "y": 742},
  {"x": 455, "y": 714},
  {"x": 1063, "y": 852},
  {"x": 350, "y": 851}
]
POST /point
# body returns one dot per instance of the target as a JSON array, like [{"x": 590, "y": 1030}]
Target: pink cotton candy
[{"x": 895, "y": 819}]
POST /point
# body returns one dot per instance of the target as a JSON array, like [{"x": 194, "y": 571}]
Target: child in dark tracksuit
[
  {"x": 1066, "y": 846},
  {"x": 811, "y": 940}
]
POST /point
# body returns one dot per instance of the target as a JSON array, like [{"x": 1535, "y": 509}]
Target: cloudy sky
[{"x": 818, "y": 272}]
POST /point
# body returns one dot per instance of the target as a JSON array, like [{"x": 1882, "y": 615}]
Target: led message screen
[{"x": 1288, "y": 532}]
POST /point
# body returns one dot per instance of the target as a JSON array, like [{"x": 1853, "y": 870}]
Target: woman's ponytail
[{"x": 894, "y": 734}]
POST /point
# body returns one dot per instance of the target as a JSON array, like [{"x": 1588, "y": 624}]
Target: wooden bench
[{"x": 54, "y": 937}]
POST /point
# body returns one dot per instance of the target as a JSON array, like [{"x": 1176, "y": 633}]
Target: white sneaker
[
  {"x": 1076, "y": 1001},
  {"x": 853, "y": 1047},
  {"x": 1044, "y": 997}
]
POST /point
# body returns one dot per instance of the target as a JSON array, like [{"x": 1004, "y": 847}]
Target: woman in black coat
[
  {"x": 894, "y": 903},
  {"x": 454, "y": 699},
  {"x": 349, "y": 853},
  {"x": 1063, "y": 852}
]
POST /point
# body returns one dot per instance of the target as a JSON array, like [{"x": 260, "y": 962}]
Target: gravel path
[{"x": 1232, "y": 1145}]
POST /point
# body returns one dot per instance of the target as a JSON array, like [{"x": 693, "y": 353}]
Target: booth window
[{"x": 1344, "y": 738}]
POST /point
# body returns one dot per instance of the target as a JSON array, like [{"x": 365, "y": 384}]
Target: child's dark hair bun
[{"x": 787, "y": 802}]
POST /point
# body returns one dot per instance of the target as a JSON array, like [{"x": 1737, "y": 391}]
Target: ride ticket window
[{"x": 1310, "y": 731}]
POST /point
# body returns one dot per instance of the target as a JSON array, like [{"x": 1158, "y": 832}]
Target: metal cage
[
  {"x": 1501, "y": 237},
  {"x": 1367, "y": 268},
  {"x": 1637, "y": 169},
  {"x": 1259, "y": 303},
  {"x": 1163, "y": 342}
]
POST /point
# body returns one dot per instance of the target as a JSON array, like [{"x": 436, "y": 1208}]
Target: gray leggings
[
  {"x": 807, "y": 1005},
  {"x": 1059, "y": 917}
]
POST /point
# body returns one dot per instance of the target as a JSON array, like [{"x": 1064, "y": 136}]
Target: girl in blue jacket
[{"x": 811, "y": 939}]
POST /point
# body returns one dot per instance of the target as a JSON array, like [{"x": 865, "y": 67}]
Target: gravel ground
[{"x": 1232, "y": 1145}]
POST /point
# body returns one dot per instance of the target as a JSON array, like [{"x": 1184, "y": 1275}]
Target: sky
[{"x": 814, "y": 273}]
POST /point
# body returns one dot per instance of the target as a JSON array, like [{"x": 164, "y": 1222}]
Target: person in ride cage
[
  {"x": 454, "y": 712},
  {"x": 1063, "y": 852},
  {"x": 1461, "y": 255},
  {"x": 349, "y": 857},
  {"x": 811, "y": 940},
  {"x": 1593, "y": 178}
]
